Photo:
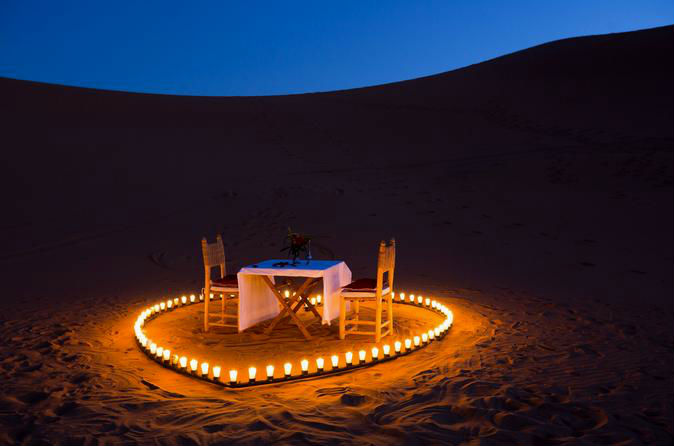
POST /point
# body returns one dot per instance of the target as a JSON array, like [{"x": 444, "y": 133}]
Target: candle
[{"x": 387, "y": 350}]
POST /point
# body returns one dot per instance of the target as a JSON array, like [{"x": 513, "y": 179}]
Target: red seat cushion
[
  {"x": 230, "y": 281},
  {"x": 363, "y": 285}
]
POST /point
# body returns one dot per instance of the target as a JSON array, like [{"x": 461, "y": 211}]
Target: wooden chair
[
  {"x": 371, "y": 290},
  {"x": 227, "y": 285}
]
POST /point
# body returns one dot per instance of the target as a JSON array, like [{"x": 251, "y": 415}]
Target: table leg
[
  {"x": 282, "y": 302},
  {"x": 287, "y": 308},
  {"x": 304, "y": 297}
]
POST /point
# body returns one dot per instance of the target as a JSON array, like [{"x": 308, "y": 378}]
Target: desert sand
[{"x": 532, "y": 194}]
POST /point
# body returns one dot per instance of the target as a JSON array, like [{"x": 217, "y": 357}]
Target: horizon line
[{"x": 135, "y": 92}]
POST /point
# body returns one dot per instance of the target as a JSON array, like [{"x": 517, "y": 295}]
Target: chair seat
[
  {"x": 364, "y": 288},
  {"x": 229, "y": 281}
]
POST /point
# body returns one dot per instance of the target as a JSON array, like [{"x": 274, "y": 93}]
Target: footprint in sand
[
  {"x": 332, "y": 391},
  {"x": 159, "y": 259},
  {"x": 352, "y": 399}
]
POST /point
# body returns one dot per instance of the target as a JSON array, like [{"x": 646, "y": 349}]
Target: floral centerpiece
[{"x": 296, "y": 245}]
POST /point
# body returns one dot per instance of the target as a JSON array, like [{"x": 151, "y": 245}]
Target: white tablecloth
[{"x": 257, "y": 302}]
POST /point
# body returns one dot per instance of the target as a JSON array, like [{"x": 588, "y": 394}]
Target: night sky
[{"x": 265, "y": 48}]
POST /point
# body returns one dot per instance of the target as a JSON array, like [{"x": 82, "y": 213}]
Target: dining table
[{"x": 262, "y": 299}]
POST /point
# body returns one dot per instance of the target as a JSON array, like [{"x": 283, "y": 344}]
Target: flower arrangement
[{"x": 296, "y": 245}]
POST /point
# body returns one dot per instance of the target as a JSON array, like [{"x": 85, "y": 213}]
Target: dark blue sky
[{"x": 261, "y": 48}]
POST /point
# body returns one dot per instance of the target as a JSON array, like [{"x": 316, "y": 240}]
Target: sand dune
[{"x": 531, "y": 193}]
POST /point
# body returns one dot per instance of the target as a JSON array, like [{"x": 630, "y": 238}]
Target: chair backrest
[
  {"x": 386, "y": 263},
  {"x": 214, "y": 255}
]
